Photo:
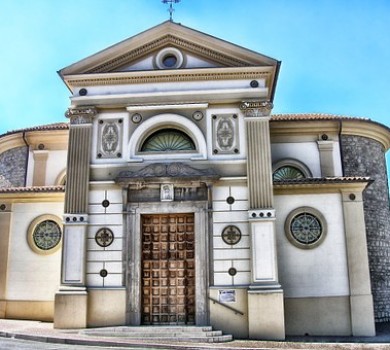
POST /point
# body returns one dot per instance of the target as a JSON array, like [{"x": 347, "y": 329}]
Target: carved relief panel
[
  {"x": 110, "y": 138},
  {"x": 225, "y": 134}
]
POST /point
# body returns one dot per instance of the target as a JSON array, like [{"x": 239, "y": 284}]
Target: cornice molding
[
  {"x": 316, "y": 188},
  {"x": 370, "y": 130},
  {"x": 32, "y": 197},
  {"x": 206, "y": 74},
  {"x": 51, "y": 139},
  {"x": 316, "y": 124}
]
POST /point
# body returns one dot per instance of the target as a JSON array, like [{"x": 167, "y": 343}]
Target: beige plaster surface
[
  {"x": 70, "y": 310},
  {"x": 106, "y": 307},
  {"x": 29, "y": 310},
  {"x": 318, "y": 316},
  {"x": 226, "y": 319},
  {"x": 266, "y": 315}
]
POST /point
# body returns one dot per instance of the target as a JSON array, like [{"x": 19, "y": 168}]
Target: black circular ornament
[
  {"x": 232, "y": 271},
  {"x": 230, "y": 200},
  {"x": 83, "y": 92},
  {"x": 104, "y": 237},
  {"x": 103, "y": 273},
  {"x": 105, "y": 203},
  {"x": 231, "y": 235}
]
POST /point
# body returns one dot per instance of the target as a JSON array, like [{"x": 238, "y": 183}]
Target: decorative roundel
[
  {"x": 231, "y": 235},
  {"x": 103, "y": 273},
  {"x": 169, "y": 58},
  {"x": 104, "y": 237},
  {"x": 305, "y": 228},
  {"x": 198, "y": 115},
  {"x": 232, "y": 271},
  {"x": 230, "y": 200},
  {"x": 136, "y": 118},
  {"x": 44, "y": 234}
]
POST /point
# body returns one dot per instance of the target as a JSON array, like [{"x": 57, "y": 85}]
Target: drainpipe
[
  {"x": 27, "y": 156},
  {"x": 341, "y": 146}
]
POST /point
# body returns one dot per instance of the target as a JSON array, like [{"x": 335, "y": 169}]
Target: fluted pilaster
[
  {"x": 79, "y": 150},
  {"x": 259, "y": 163}
]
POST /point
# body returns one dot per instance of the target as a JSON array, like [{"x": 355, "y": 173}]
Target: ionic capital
[
  {"x": 256, "y": 108},
  {"x": 81, "y": 115}
]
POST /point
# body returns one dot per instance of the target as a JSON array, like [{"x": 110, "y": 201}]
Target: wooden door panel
[{"x": 168, "y": 269}]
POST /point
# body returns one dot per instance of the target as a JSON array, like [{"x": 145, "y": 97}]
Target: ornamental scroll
[
  {"x": 81, "y": 115},
  {"x": 225, "y": 134},
  {"x": 256, "y": 108},
  {"x": 110, "y": 138}
]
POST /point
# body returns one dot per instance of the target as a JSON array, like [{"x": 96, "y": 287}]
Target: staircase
[{"x": 196, "y": 334}]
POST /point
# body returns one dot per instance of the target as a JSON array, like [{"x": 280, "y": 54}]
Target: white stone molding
[
  {"x": 264, "y": 258},
  {"x": 163, "y": 121},
  {"x": 133, "y": 254},
  {"x": 74, "y": 254}
]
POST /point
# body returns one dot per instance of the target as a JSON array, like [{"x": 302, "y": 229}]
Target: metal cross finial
[{"x": 171, "y": 9}]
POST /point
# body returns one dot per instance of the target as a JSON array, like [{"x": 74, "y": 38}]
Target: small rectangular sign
[{"x": 227, "y": 296}]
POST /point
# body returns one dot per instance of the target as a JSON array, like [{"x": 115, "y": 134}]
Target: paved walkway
[{"x": 44, "y": 332}]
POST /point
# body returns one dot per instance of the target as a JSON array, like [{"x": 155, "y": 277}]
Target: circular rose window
[
  {"x": 44, "y": 234},
  {"x": 305, "y": 227}
]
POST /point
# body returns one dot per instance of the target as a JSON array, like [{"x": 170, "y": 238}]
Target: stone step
[{"x": 173, "y": 333}]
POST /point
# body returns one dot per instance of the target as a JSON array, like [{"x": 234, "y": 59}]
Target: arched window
[
  {"x": 168, "y": 140},
  {"x": 290, "y": 169},
  {"x": 288, "y": 172}
]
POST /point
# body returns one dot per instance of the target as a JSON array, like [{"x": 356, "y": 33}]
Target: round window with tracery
[
  {"x": 44, "y": 234},
  {"x": 305, "y": 227}
]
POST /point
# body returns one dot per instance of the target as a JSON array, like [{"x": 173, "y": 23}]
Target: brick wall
[
  {"x": 365, "y": 157},
  {"x": 13, "y": 165}
]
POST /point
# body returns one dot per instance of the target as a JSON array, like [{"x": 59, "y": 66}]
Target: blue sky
[{"x": 335, "y": 53}]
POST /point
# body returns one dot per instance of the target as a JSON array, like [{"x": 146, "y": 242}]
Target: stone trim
[
  {"x": 173, "y": 76},
  {"x": 132, "y": 253}
]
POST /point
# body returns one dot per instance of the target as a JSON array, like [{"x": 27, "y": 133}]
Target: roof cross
[{"x": 171, "y": 9}]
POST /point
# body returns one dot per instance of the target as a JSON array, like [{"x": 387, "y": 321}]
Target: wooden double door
[{"x": 168, "y": 269}]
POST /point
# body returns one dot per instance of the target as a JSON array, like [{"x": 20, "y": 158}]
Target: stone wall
[
  {"x": 13, "y": 165},
  {"x": 365, "y": 157}
]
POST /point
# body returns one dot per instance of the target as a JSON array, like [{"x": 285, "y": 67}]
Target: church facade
[{"x": 175, "y": 196}]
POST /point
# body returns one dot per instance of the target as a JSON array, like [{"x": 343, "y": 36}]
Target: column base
[
  {"x": 362, "y": 315},
  {"x": 266, "y": 314},
  {"x": 70, "y": 308}
]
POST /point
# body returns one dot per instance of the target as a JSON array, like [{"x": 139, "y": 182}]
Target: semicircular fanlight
[
  {"x": 168, "y": 140},
  {"x": 288, "y": 173}
]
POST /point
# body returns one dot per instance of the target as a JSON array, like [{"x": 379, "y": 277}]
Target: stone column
[
  {"x": 362, "y": 309},
  {"x": 5, "y": 229},
  {"x": 265, "y": 296},
  {"x": 71, "y": 301}
]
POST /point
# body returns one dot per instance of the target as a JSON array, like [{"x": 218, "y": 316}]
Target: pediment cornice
[
  {"x": 169, "y": 40},
  {"x": 199, "y": 44}
]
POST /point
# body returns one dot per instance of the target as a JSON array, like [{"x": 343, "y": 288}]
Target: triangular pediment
[{"x": 139, "y": 53}]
